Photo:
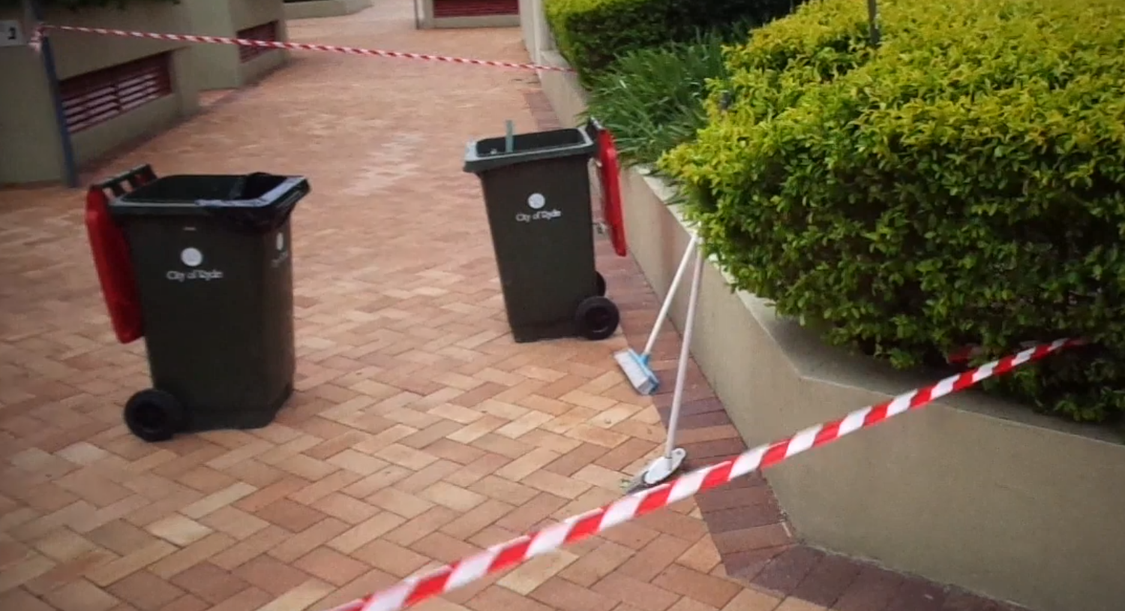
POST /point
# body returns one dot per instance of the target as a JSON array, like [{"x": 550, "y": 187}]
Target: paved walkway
[{"x": 419, "y": 431}]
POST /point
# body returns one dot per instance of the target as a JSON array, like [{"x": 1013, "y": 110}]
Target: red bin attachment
[
  {"x": 609, "y": 171},
  {"x": 111, "y": 253}
]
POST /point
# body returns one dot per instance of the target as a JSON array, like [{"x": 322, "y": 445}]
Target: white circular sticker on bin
[
  {"x": 281, "y": 241},
  {"x": 536, "y": 201},
  {"x": 191, "y": 257}
]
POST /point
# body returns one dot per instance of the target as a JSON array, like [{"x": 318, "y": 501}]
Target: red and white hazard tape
[
  {"x": 969, "y": 353},
  {"x": 36, "y": 39},
  {"x": 297, "y": 46},
  {"x": 506, "y": 555}
]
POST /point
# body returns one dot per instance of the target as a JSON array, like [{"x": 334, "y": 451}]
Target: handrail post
[{"x": 70, "y": 167}]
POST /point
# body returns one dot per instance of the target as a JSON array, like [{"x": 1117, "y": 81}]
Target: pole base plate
[{"x": 663, "y": 468}]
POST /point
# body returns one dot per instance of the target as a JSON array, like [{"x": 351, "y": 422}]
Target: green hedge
[
  {"x": 963, "y": 184},
  {"x": 593, "y": 33},
  {"x": 652, "y": 98}
]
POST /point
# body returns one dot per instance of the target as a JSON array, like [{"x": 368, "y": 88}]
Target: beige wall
[
  {"x": 92, "y": 143},
  {"x": 536, "y": 33},
  {"x": 29, "y": 149},
  {"x": 971, "y": 491},
  {"x": 249, "y": 13},
  {"x": 562, "y": 89},
  {"x": 324, "y": 8},
  {"x": 218, "y": 66},
  {"x": 73, "y": 54},
  {"x": 215, "y": 66}
]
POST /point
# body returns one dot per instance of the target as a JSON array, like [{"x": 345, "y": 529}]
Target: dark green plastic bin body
[
  {"x": 538, "y": 203},
  {"x": 213, "y": 265}
]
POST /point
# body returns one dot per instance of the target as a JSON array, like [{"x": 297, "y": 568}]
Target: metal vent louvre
[
  {"x": 266, "y": 31},
  {"x": 96, "y": 97},
  {"x": 475, "y": 8}
]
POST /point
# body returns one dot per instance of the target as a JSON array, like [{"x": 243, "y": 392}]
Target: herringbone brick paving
[{"x": 419, "y": 431}]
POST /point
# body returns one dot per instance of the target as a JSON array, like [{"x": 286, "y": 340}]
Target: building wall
[
  {"x": 324, "y": 8},
  {"x": 30, "y": 150},
  {"x": 29, "y": 147},
  {"x": 218, "y": 66},
  {"x": 93, "y": 143}
]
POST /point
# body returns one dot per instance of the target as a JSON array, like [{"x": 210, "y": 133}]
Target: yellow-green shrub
[
  {"x": 964, "y": 183},
  {"x": 593, "y": 33},
  {"x": 652, "y": 99}
]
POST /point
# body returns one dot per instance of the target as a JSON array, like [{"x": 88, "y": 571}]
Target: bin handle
[
  {"x": 593, "y": 129},
  {"x": 609, "y": 169},
  {"x": 284, "y": 196},
  {"x": 133, "y": 177},
  {"x": 297, "y": 184}
]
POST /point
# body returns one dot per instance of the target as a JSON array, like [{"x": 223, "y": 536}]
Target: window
[
  {"x": 266, "y": 31},
  {"x": 96, "y": 97},
  {"x": 475, "y": 8}
]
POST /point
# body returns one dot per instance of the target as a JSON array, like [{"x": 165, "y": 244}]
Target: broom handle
[
  {"x": 667, "y": 305},
  {"x": 685, "y": 354}
]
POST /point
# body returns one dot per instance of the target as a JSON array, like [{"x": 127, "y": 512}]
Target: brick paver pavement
[{"x": 419, "y": 431}]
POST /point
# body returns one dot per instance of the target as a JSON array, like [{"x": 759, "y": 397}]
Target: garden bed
[{"x": 973, "y": 491}]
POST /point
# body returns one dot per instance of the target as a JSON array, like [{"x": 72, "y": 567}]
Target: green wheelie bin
[
  {"x": 211, "y": 259},
  {"x": 537, "y": 196}
]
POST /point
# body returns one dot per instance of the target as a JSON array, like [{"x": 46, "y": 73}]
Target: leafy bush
[
  {"x": 652, "y": 99},
  {"x": 962, "y": 184},
  {"x": 591, "y": 34}
]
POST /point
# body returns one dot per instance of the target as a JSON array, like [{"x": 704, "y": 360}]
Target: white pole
[
  {"x": 685, "y": 355},
  {"x": 667, "y": 305}
]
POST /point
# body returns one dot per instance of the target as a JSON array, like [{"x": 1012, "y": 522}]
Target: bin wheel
[
  {"x": 597, "y": 318},
  {"x": 154, "y": 415},
  {"x": 599, "y": 282}
]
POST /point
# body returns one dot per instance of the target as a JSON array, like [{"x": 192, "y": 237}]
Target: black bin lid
[
  {"x": 489, "y": 154},
  {"x": 256, "y": 201}
]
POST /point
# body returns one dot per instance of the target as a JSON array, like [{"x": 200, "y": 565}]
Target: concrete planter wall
[
  {"x": 220, "y": 66},
  {"x": 324, "y": 8},
  {"x": 29, "y": 147},
  {"x": 536, "y": 33},
  {"x": 971, "y": 491}
]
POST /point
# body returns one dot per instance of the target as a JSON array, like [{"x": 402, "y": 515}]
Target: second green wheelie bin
[{"x": 538, "y": 200}]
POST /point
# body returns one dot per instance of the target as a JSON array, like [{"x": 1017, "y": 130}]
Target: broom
[
  {"x": 665, "y": 466},
  {"x": 635, "y": 366}
]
